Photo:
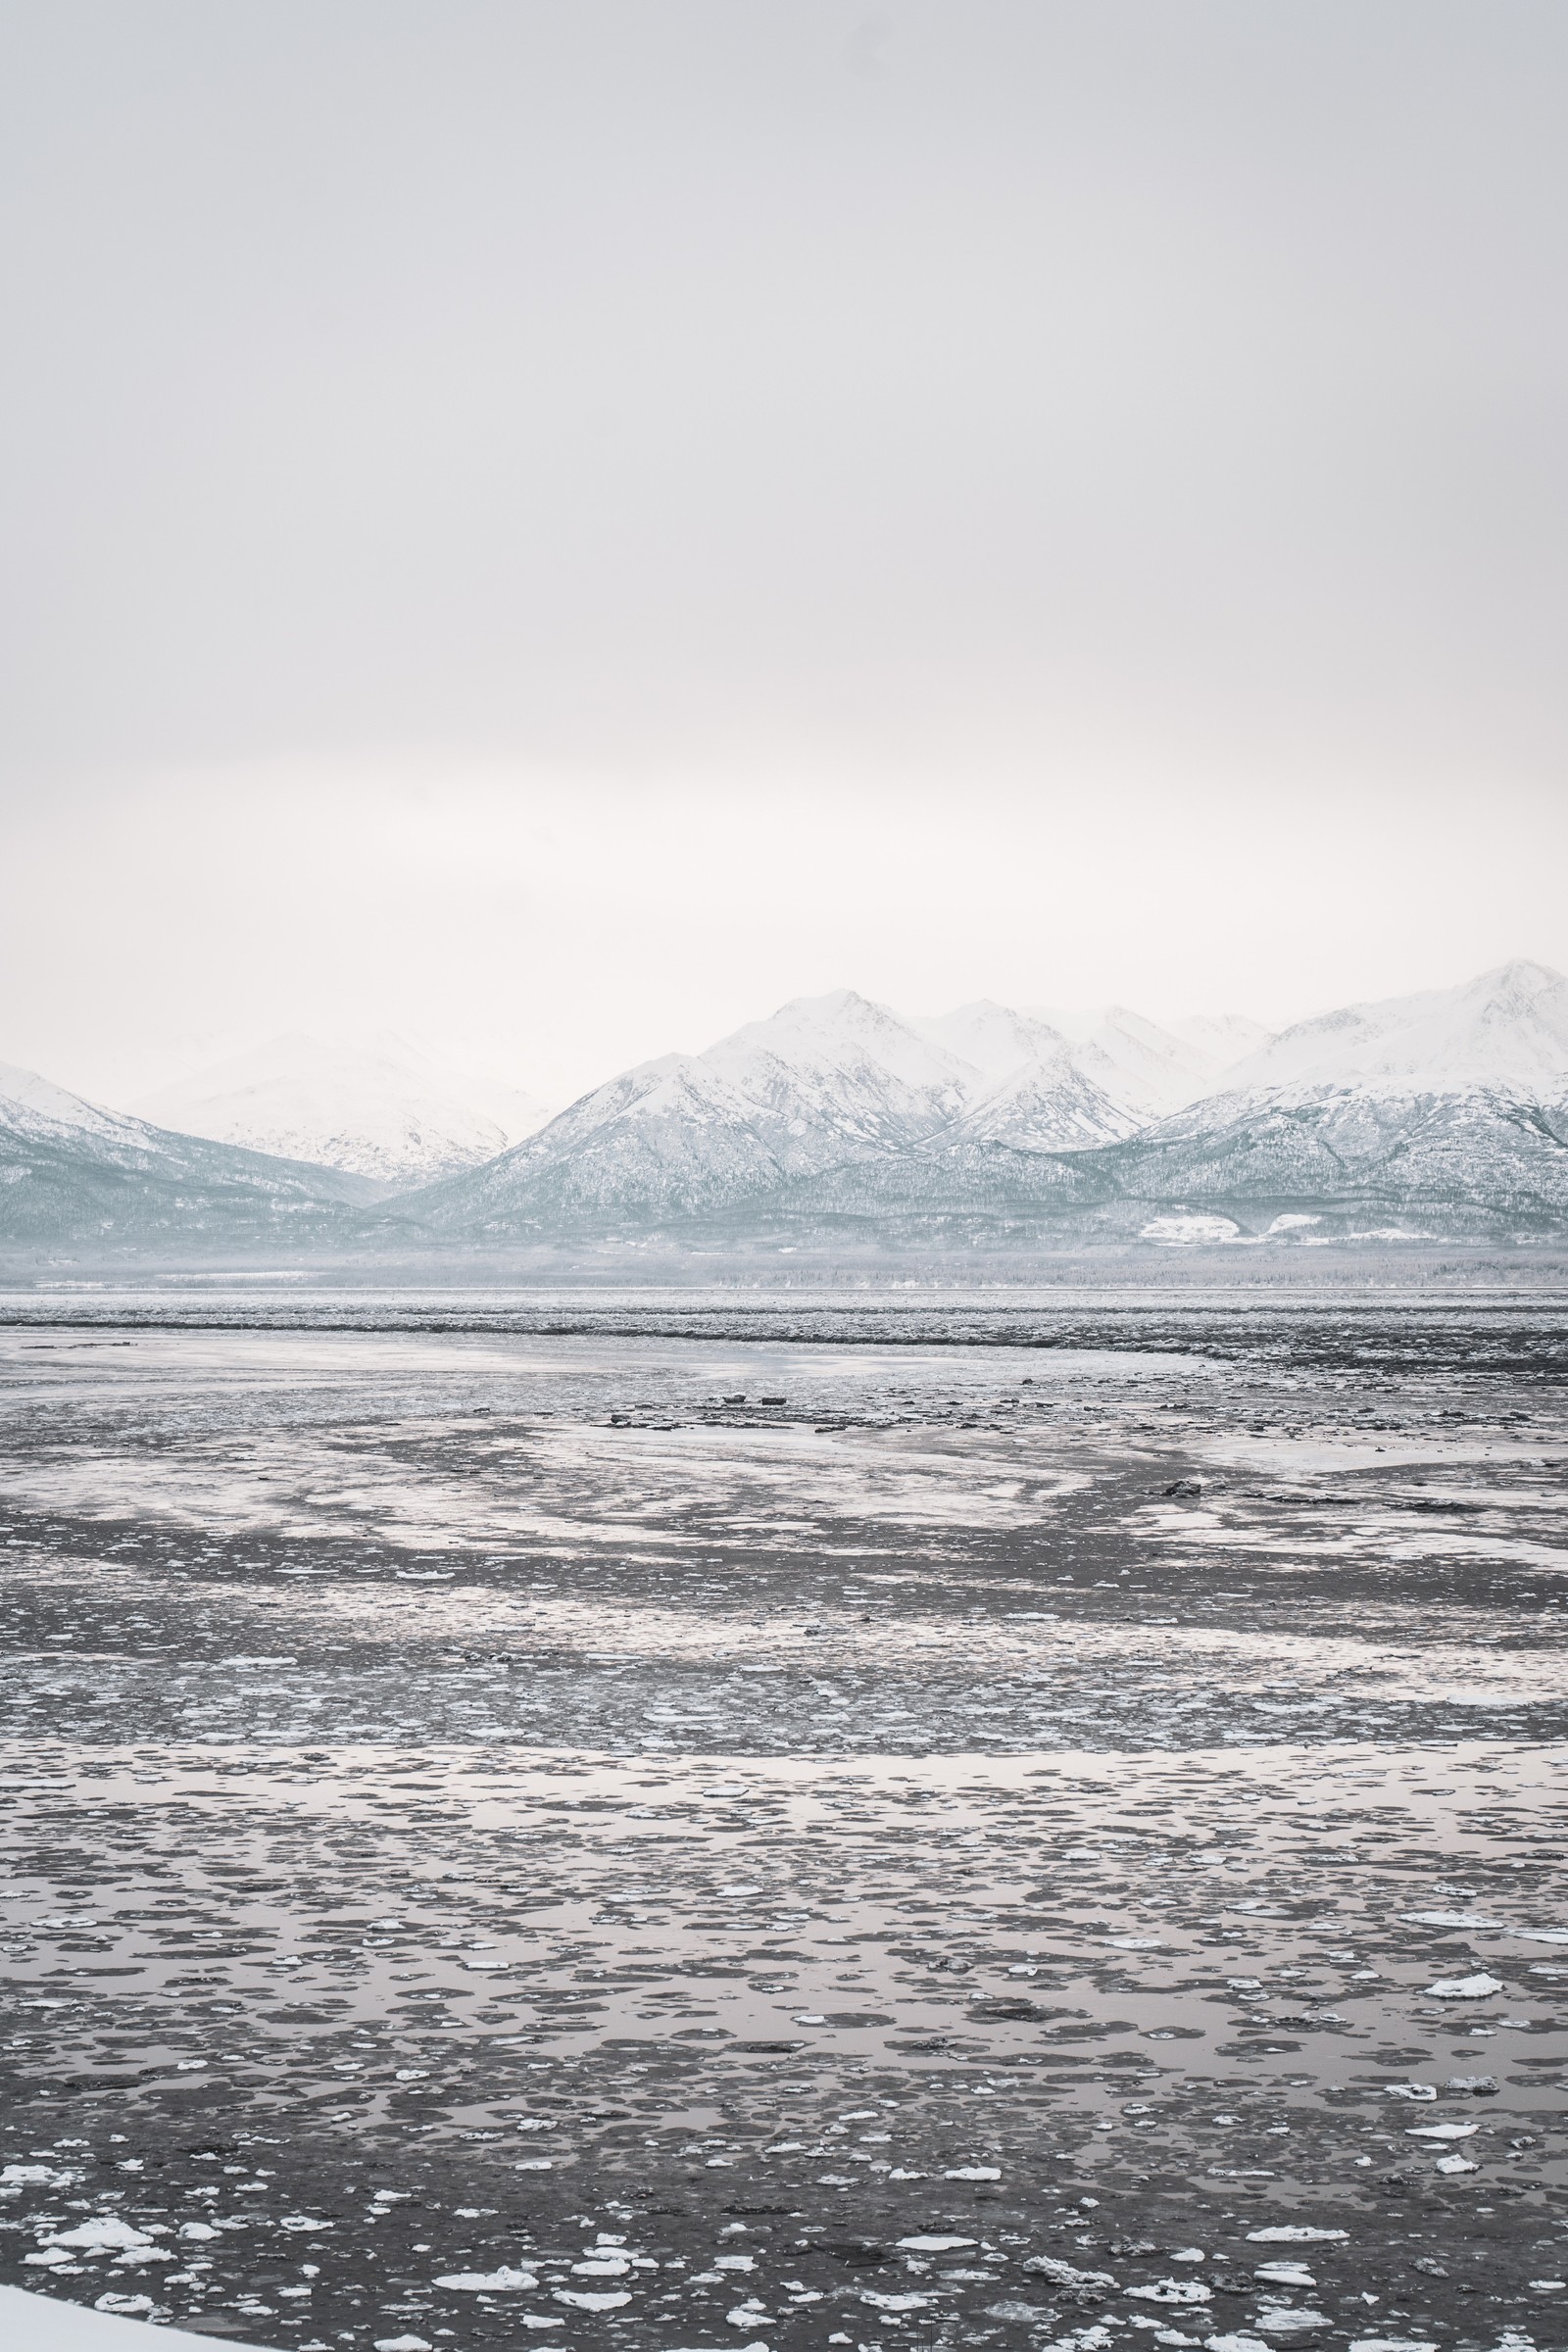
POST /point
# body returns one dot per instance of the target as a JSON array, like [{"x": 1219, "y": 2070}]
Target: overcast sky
[{"x": 563, "y": 525}]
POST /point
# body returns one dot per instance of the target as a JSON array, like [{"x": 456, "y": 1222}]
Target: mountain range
[{"x": 839, "y": 1123}]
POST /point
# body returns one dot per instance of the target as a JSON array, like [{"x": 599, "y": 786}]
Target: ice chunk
[
  {"x": 105, "y": 2233},
  {"x": 1296, "y": 2233},
  {"x": 503, "y": 2282},
  {"x": 1062, "y": 2273}
]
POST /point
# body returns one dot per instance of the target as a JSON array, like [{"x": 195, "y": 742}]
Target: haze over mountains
[
  {"x": 839, "y": 1123},
  {"x": 385, "y": 1109}
]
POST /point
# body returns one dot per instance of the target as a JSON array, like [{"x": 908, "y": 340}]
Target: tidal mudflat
[{"x": 763, "y": 1832}]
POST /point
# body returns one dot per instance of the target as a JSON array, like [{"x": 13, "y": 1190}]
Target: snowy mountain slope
[
  {"x": 27, "y": 1102},
  {"x": 1047, "y": 1091},
  {"x": 666, "y": 1140},
  {"x": 1226, "y": 1036},
  {"x": 845, "y": 1068},
  {"x": 1447, "y": 1111},
  {"x": 1043, "y": 1106},
  {"x": 73, "y": 1175},
  {"x": 995, "y": 1040},
  {"x": 1143, "y": 1068},
  {"x": 1456, "y": 1160},
  {"x": 955, "y": 1195},
  {"x": 382, "y": 1110},
  {"x": 1475, "y": 1165},
  {"x": 1133, "y": 1068},
  {"x": 1507, "y": 1027}
]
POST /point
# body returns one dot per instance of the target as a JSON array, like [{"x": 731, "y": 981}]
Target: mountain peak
[
  {"x": 1525, "y": 971},
  {"x": 842, "y": 1033},
  {"x": 1512, "y": 987}
]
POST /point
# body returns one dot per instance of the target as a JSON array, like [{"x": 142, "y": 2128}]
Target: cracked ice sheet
[
  {"x": 737, "y": 1481},
  {"x": 356, "y": 1925}
]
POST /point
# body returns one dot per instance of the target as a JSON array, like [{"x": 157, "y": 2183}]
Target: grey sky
[{"x": 586, "y": 519}]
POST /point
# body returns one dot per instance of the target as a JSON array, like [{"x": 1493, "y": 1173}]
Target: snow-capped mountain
[
  {"x": 826, "y": 1080},
  {"x": 1445, "y": 1112},
  {"x": 844, "y": 1069},
  {"x": 383, "y": 1109},
  {"x": 73, "y": 1175},
  {"x": 1508, "y": 1028}
]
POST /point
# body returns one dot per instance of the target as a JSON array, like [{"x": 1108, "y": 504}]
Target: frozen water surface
[{"x": 687, "y": 1821}]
